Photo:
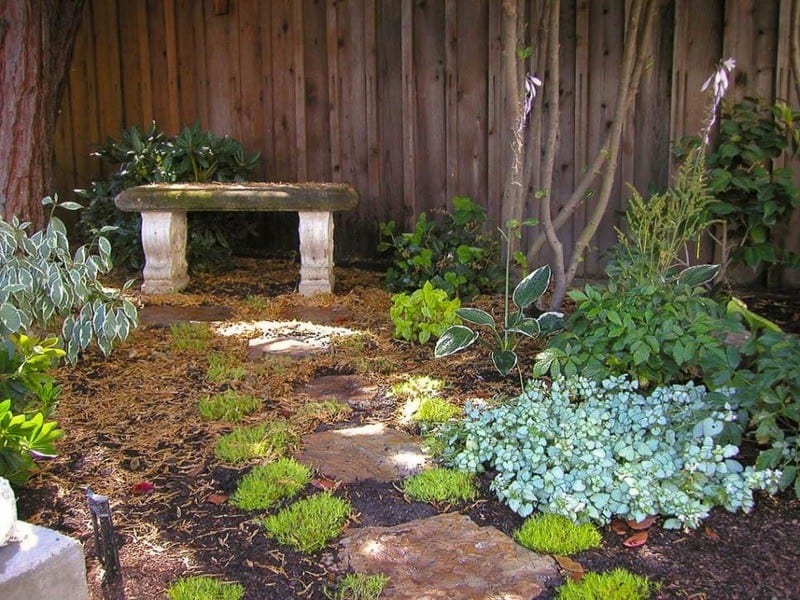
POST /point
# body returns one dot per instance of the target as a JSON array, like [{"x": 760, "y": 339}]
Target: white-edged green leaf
[
  {"x": 476, "y": 316},
  {"x": 698, "y": 274},
  {"x": 504, "y": 361},
  {"x": 550, "y": 321},
  {"x": 528, "y": 327},
  {"x": 532, "y": 287},
  {"x": 453, "y": 340}
]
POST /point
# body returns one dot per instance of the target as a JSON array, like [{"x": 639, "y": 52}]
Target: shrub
[
  {"x": 22, "y": 437},
  {"x": 452, "y": 253},
  {"x": 228, "y": 406},
  {"x": 618, "y": 584},
  {"x": 309, "y": 524},
  {"x": 204, "y": 588},
  {"x": 266, "y": 485},
  {"x": 423, "y": 315},
  {"x": 753, "y": 196},
  {"x": 141, "y": 157},
  {"x": 591, "y": 451},
  {"x": 556, "y": 534},
  {"x": 441, "y": 485},
  {"x": 657, "y": 334}
]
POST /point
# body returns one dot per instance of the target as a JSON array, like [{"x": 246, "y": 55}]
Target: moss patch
[
  {"x": 555, "y": 534},
  {"x": 204, "y": 588},
  {"x": 268, "y": 440},
  {"x": 441, "y": 485},
  {"x": 618, "y": 584},
  {"x": 266, "y": 485},
  {"x": 309, "y": 524}
]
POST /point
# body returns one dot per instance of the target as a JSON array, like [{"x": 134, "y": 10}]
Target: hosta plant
[
  {"x": 506, "y": 335},
  {"x": 592, "y": 450},
  {"x": 43, "y": 283},
  {"x": 423, "y": 315}
]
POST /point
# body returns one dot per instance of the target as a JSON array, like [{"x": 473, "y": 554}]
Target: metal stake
[{"x": 105, "y": 540}]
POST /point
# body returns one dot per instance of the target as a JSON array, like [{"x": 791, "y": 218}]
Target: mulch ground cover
[{"x": 132, "y": 432}]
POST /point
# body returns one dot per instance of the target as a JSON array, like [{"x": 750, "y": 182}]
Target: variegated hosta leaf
[
  {"x": 504, "y": 361},
  {"x": 532, "y": 287},
  {"x": 454, "y": 339}
]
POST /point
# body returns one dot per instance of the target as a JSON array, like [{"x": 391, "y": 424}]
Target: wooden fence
[{"x": 401, "y": 98}]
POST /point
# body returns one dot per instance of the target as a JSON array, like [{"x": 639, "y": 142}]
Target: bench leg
[
  {"x": 316, "y": 252},
  {"x": 164, "y": 242}
]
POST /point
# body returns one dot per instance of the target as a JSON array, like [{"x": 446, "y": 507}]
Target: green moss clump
[
  {"x": 441, "y": 485},
  {"x": 194, "y": 337},
  {"x": 204, "y": 588},
  {"x": 229, "y": 406},
  {"x": 268, "y": 441},
  {"x": 618, "y": 584},
  {"x": 266, "y": 485},
  {"x": 309, "y": 524},
  {"x": 360, "y": 586},
  {"x": 435, "y": 410},
  {"x": 555, "y": 534}
]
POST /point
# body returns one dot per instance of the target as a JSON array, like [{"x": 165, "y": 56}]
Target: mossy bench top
[{"x": 243, "y": 197}]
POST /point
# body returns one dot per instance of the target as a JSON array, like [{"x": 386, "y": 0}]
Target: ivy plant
[
  {"x": 423, "y": 315},
  {"x": 593, "y": 450}
]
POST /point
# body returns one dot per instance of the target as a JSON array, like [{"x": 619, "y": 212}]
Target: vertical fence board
[
  {"x": 109, "y": 88},
  {"x": 250, "y": 79},
  {"x": 494, "y": 93},
  {"x": 187, "y": 65},
  {"x": 390, "y": 89},
  {"x": 315, "y": 92}
]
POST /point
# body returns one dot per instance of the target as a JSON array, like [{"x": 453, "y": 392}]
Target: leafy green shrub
[
  {"x": 618, "y": 584},
  {"x": 141, "y": 157},
  {"x": 556, "y": 534},
  {"x": 514, "y": 324},
  {"x": 452, "y": 253},
  {"x": 204, "y": 588},
  {"x": 767, "y": 387},
  {"x": 657, "y": 334},
  {"x": 441, "y": 485},
  {"x": 24, "y": 377},
  {"x": 21, "y": 437},
  {"x": 423, "y": 315},
  {"x": 266, "y": 485},
  {"x": 41, "y": 282},
  {"x": 592, "y": 451},
  {"x": 752, "y": 195},
  {"x": 269, "y": 440},
  {"x": 309, "y": 524},
  {"x": 230, "y": 405}
]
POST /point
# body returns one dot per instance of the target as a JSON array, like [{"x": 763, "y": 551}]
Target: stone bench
[{"x": 164, "y": 206}]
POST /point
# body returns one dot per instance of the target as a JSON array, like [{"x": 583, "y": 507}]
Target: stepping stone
[
  {"x": 446, "y": 556},
  {"x": 366, "y": 452},
  {"x": 259, "y": 348},
  {"x": 164, "y": 316},
  {"x": 347, "y": 388}
]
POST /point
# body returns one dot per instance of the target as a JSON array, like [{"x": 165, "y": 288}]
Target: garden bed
[{"x": 132, "y": 432}]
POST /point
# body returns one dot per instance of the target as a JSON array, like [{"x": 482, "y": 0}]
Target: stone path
[{"x": 446, "y": 556}]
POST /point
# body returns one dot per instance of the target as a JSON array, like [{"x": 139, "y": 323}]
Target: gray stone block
[{"x": 45, "y": 565}]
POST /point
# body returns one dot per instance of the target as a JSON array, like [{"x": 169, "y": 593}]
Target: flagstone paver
[
  {"x": 446, "y": 556},
  {"x": 371, "y": 451},
  {"x": 164, "y": 316},
  {"x": 354, "y": 390}
]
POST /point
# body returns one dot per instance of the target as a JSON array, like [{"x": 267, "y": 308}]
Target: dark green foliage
[
  {"x": 657, "y": 334},
  {"x": 149, "y": 156},
  {"x": 752, "y": 195},
  {"x": 453, "y": 253}
]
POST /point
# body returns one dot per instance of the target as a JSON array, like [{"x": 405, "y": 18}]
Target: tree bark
[
  {"x": 794, "y": 46},
  {"x": 36, "y": 42}
]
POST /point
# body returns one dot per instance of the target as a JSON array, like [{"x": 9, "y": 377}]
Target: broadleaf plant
[{"x": 506, "y": 335}]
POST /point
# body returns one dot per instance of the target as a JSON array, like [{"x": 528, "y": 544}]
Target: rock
[
  {"x": 8, "y": 514},
  {"x": 366, "y": 452},
  {"x": 446, "y": 556},
  {"x": 164, "y": 316}
]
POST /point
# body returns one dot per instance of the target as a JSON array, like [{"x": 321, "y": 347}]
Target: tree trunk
[{"x": 36, "y": 42}]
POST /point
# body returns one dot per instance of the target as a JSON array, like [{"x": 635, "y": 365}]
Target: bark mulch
[{"x": 132, "y": 432}]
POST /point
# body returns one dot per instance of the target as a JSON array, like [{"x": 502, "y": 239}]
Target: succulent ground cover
[{"x": 133, "y": 432}]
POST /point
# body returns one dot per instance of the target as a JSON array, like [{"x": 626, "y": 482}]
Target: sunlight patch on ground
[{"x": 273, "y": 329}]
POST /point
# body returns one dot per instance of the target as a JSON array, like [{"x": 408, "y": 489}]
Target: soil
[{"x": 132, "y": 433}]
